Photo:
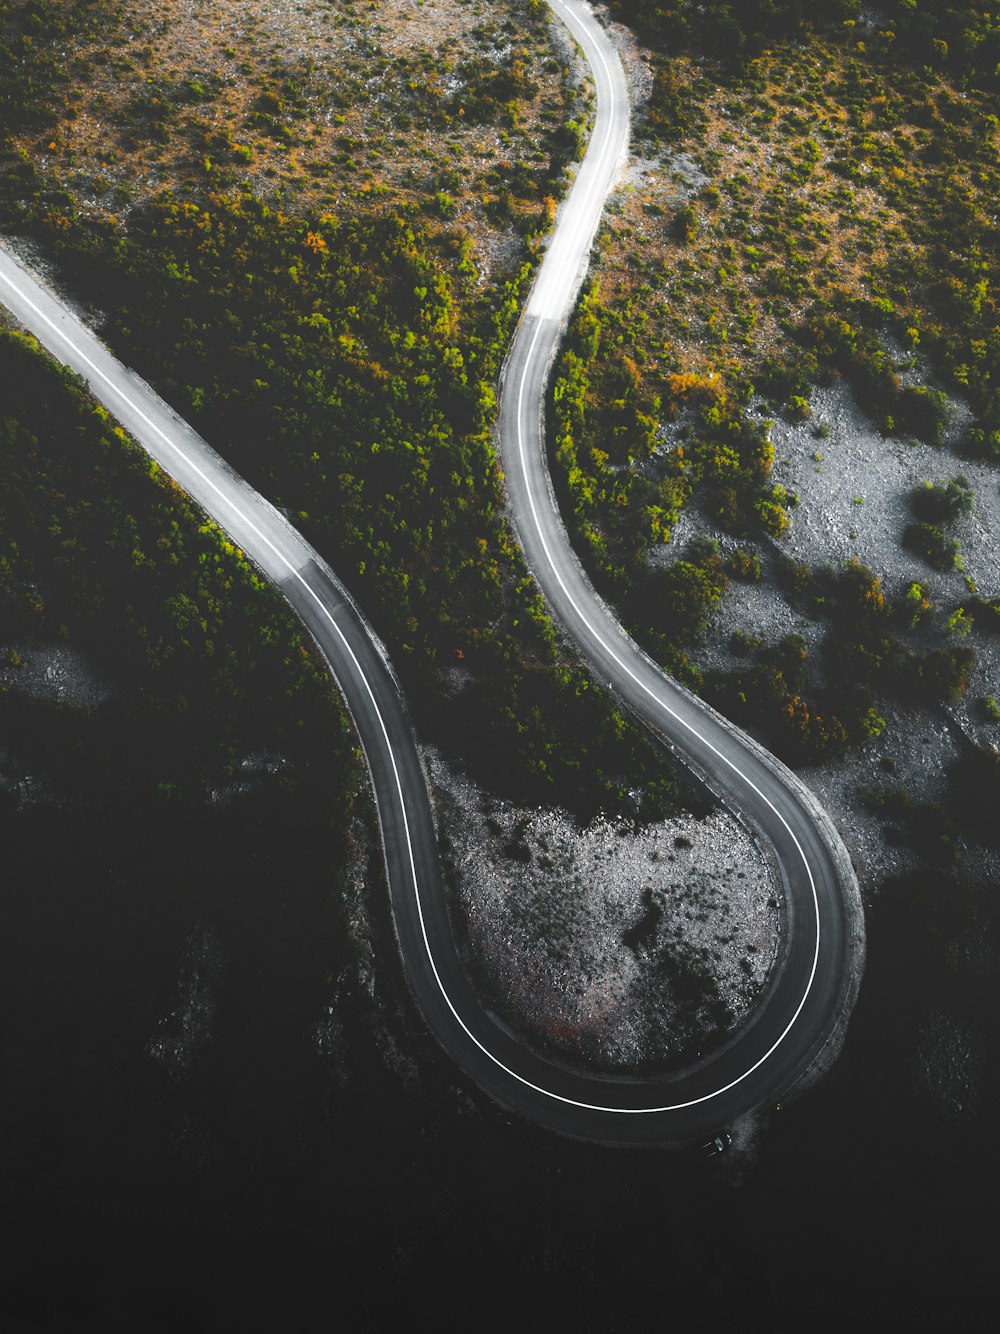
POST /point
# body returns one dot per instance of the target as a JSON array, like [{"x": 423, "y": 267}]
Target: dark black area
[
  {"x": 945, "y": 35},
  {"x": 266, "y": 1185},
  {"x": 260, "y": 1189},
  {"x": 854, "y": 1213}
]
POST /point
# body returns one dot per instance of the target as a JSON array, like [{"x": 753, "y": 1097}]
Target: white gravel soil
[
  {"x": 638, "y": 71},
  {"x": 854, "y": 500},
  {"x": 59, "y": 672},
  {"x": 624, "y": 950},
  {"x": 923, "y": 746}
]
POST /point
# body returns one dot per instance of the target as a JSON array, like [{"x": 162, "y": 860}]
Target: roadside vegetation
[
  {"x": 102, "y": 551},
  {"x": 321, "y": 263},
  {"x": 456, "y": 108},
  {"x": 248, "y": 190},
  {"x": 184, "y": 817},
  {"x": 811, "y": 202},
  {"x": 338, "y": 335}
]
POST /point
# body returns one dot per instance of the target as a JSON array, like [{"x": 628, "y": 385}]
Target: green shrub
[
  {"x": 934, "y": 545},
  {"x": 744, "y": 645},
  {"x": 685, "y": 225},
  {"x": 744, "y": 565},
  {"x": 915, "y": 604},
  {"x": 922, "y": 412},
  {"x": 798, "y": 408},
  {"x": 943, "y": 502}
]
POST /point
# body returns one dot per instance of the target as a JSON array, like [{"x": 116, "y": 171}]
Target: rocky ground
[
  {"x": 60, "y": 672},
  {"x": 854, "y": 487},
  {"x": 316, "y": 108},
  {"x": 628, "y": 949}
]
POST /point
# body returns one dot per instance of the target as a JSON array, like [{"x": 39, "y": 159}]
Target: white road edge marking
[{"x": 283, "y": 559}]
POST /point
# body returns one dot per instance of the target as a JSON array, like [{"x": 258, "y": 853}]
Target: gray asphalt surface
[
  {"x": 817, "y": 980},
  {"x": 806, "y": 1007}
]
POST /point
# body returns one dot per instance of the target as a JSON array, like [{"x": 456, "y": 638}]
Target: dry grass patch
[
  {"x": 454, "y": 105},
  {"x": 726, "y": 238}
]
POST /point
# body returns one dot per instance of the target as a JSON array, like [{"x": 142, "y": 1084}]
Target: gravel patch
[
  {"x": 854, "y": 500},
  {"x": 59, "y": 672},
  {"x": 624, "y": 950},
  {"x": 634, "y": 58},
  {"x": 675, "y": 178},
  {"x": 951, "y": 1066},
  {"x": 22, "y": 788},
  {"x": 183, "y": 1035},
  {"x": 922, "y": 746}
]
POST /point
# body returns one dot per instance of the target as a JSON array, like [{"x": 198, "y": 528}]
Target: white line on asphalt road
[
  {"x": 558, "y": 1097},
  {"x": 595, "y": 634},
  {"x": 143, "y": 416},
  {"x": 549, "y": 264}
]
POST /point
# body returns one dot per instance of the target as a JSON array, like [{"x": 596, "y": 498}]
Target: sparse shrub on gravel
[
  {"x": 943, "y": 502},
  {"x": 935, "y": 546}
]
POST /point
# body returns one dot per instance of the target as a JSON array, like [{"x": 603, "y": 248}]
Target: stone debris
[
  {"x": 951, "y": 1066},
  {"x": 854, "y": 486},
  {"x": 59, "y": 672},
  {"x": 187, "y": 1030},
  {"x": 629, "y": 950}
]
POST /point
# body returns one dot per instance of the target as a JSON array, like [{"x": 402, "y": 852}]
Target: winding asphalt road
[{"x": 803, "y": 1016}]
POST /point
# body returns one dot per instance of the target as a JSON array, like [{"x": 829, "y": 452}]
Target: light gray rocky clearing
[
  {"x": 622, "y": 949},
  {"x": 855, "y": 500}
]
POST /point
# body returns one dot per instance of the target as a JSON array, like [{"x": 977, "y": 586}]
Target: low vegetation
[
  {"x": 100, "y": 549},
  {"x": 812, "y": 202},
  {"x": 342, "y": 351},
  {"x": 331, "y": 305},
  {"x": 459, "y": 109},
  {"x": 820, "y": 207}
]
